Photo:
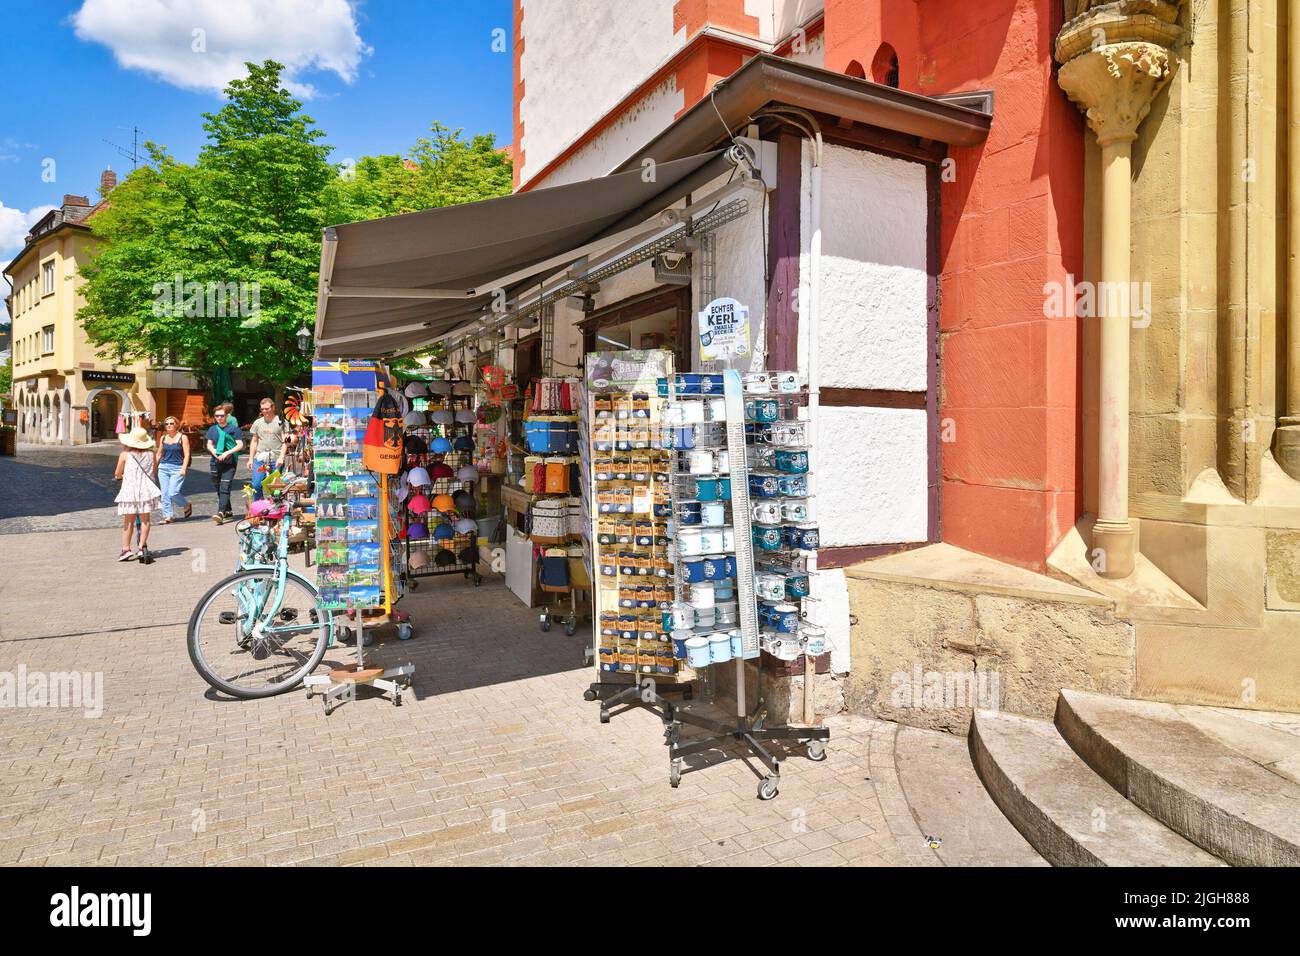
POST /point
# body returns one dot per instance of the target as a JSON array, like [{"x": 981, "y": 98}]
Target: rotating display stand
[{"x": 721, "y": 417}]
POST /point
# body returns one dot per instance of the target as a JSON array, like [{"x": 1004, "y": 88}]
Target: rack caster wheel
[
  {"x": 589, "y": 695},
  {"x": 675, "y": 772},
  {"x": 768, "y": 787},
  {"x": 604, "y": 716},
  {"x": 570, "y": 627},
  {"x": 405, "y": 632},
  {"x": 817, "y": 750},
  {"x": 545, "y": 623},
  {"x": 366, "y": 639},
  {"x": 397, "y": 699}
]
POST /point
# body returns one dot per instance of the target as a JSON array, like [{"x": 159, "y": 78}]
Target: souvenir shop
[{"x": 679, "y": 384}]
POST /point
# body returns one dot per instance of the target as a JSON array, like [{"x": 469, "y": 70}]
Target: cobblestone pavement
[
  {"x": 72, "y": 489},
  {"x": 493, "y": 758}
]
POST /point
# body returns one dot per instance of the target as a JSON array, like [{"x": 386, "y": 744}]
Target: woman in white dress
[{"x": 139, "y": 494}]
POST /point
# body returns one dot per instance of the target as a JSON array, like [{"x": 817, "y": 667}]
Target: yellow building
[{"x": 65, "y": 393}]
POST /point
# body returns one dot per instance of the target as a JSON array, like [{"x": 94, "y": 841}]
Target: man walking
[
  {"x": 265, "y": 446},
  {"x": 225, "y": 442}
]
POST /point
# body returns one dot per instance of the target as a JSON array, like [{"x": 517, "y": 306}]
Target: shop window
[{"x": 884, "y": 68}]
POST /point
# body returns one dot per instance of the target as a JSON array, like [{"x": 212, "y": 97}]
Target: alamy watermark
[
  {"x": 206, "y": 300},
  {"x": 1098, "y": 300},
  {"x": 922, "y": 689},
  {"x": 77, "y": 690}
]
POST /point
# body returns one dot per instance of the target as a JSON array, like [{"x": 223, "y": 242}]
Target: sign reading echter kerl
[{"x": 724, "y": 330}]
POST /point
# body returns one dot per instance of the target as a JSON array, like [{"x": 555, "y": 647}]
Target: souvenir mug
[
  {"x": 762, "y": 409},
  {"x": 719, "y": 647},
  {"x": 792, "y": 486},
  {"x": 758, "y": 433},
  {"x": 711, "y": 384},
  {"x": 683, "y": 438},
  {"x": 688, "y": 512},
  {"x": 766, "y": 512},
  {"x": 715, "y": 567},
  {"x": 708, "y": 489},
  {"x": 697, "y": 651},
  {"x": 787, "y": 381},
  {"x": 724, "y": 489},
  {"x": 791, "y": 462},
  {"x": 794, "y": 509},
  {"x": 701, "y": 595},
  {"x": 796, "y": 586},
  {"x": 679, "y": 646},
  {"x": 724, "y": 590},
  {"x": 716, "y": 409},
  {"x": 690, "y": 543},
  {"x": 688, "y": 383},
  {"x": 661, "y": 385},
  {"x": 713, "y": 513},
  {"x": 762, "y": 456},
  {"x": 790, "y": 433},
  {"x": 711, "y": 540},
  {"x": 782, "y": 618},
  {"x": 764, "y": 486},
  {"x": 725, "y": 613},
  {"x": 756, "y": 383},
  {"x": 814, "y": 638},
  {"x": 728, "y": 539},
  {"x": 700, "y": 462},
  {"x": 783, "y": 648},
  {"x": 692, "y": 571},
  {"x": 801, "y": 537},
  {"x": 767, "y": 539},
  {"x": 769, "y": 586}
]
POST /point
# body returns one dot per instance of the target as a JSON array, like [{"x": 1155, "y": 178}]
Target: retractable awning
[{"x": 393, "y": 284}]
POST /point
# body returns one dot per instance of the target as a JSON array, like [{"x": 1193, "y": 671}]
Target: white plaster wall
[
  {"x": 871, "y": 476},
  {"x": 643, "y": 121},
  {"x": 740, "y": 247},
  {"x": 873, "y": 329},
  {"x": 580, "y": 59},
  {"x": 813, "y": 54}
]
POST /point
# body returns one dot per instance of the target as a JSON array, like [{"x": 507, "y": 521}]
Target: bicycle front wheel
[{"x": 249, "y": 638}]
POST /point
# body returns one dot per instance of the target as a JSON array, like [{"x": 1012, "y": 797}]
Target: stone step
[
  {"x": 1066, "y": 812},
  {"x": 1211, "y": 794}
]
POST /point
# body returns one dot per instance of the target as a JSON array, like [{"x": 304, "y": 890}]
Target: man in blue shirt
[{"x": 225, "y": 442}]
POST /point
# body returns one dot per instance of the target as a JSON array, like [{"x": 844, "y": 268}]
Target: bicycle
[{"x": 259, "y": 631}]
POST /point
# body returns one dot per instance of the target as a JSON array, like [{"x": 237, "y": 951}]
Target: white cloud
[
  {"x": 203, "y": 44},
  {"x": 14, "y": 224}
]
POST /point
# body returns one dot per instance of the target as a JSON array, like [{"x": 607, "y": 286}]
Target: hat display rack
[{"x": 436, "y": 492}]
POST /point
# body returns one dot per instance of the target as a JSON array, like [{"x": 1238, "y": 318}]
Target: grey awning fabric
[{"x": 371, "y": 270}]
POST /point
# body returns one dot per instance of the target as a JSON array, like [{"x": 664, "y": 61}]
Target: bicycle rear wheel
[{"x": 247, "y": 641}]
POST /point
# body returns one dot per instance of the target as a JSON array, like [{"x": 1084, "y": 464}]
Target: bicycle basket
[{"x": 256, "y": 544}]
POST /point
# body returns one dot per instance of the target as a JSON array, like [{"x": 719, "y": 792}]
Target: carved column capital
[{"x": 1115, "y": 84}]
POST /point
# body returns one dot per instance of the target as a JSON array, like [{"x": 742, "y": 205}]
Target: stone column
[
  {"x": 1287, "y": 437},
  {"x": 1114, "y": 84}
]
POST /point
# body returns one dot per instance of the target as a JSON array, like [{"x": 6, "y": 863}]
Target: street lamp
[{"x": 304, "y": 340}]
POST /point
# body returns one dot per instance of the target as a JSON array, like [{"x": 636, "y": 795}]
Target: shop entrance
[{"x": 104, "y": 409}]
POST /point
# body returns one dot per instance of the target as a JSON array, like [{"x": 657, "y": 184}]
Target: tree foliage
[{"x": 217, "y": 261}]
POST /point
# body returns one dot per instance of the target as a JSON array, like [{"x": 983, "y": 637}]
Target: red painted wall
[{"x": 1011, "y": 222}]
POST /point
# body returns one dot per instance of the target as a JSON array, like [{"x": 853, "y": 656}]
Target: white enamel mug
[
  {"x": 700, "y": 461},
  {"x": 690, "y": 543},
  {"x": 710, "y": 540},
  {"x": 767, "y": 512},
  {"x": 701, "y": 596}
]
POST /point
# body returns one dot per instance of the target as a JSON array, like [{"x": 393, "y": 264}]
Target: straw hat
[{"x": 137, "y": 438}]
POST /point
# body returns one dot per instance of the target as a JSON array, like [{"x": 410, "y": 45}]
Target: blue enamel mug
[
  {"x": 801, "y": 537},
  {"x": 782, "y": 618},
  {"x": 796, "y": 586},
  {"x": 793, "y": 462},
  {"x": 793, "y": 486},
  {"x": 707, "y": 489},
  {"x": 767, "y": 539},
  {"x": 724, "y": 590},
  {"x": 693, "y": 571},
  {"x": 762, "y": 409},
  {"x": 715, "y": 569},
  {"x": 710, "y": 384},
  {"x": 679, "y": 643},
  {"x": 724, "y": 489},
  {"x": 688, "y": 383},
  {"x": 764, "y": 486},
  {"x": 688, "y": 512}
]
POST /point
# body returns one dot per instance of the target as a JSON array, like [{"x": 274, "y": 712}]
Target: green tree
[
  {"x": 236, "y": 234},
  {"x": 442, "y": 169}
]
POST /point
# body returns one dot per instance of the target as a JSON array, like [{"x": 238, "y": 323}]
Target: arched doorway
[{"x": 105, "y": 405}]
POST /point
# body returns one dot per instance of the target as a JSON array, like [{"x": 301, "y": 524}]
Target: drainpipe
[
  {"x": 1287, "y": 447},
  {"x": 804, "y": 121}
]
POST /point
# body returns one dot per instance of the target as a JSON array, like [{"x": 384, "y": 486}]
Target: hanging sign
[{"x": 724, "y": 330}]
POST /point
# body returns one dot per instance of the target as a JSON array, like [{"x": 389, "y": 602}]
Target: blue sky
[{"x": 372, "y": 73}]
